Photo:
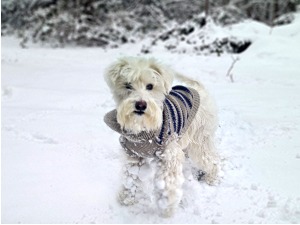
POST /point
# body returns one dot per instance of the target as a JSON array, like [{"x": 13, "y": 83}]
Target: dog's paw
[
  {"x": 167, "y": 213},
  {"x": 212, "y": 179},
  {"x": 126, "y": 198},
  {"x": 165, "y": 210},
  {"x": 168, "y": 201}
]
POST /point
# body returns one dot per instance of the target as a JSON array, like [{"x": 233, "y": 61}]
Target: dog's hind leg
[
  {"x": 205, "y": 159},
  {"x": 169, "y": 179}
]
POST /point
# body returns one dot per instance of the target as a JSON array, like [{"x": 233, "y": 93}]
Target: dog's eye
[
  {"x": 128, "y": 86},
  {"x": 149, "y": 87}
]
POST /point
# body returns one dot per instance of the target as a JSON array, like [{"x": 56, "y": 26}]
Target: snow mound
[{"x": 198, "y": 37}]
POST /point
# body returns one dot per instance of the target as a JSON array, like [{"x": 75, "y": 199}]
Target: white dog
[{"x": 160, "y": 124}]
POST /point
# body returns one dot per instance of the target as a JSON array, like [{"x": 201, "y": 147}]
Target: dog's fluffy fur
[{"x": 128, "y": 79}]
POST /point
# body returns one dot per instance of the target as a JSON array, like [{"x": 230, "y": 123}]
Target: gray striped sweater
[{"x": 179, "y": 109}]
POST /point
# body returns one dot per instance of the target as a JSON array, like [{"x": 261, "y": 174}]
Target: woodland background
[{"x": 107, "y": 23}]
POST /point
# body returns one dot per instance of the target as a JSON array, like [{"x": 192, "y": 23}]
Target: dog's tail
[{"x": 188, "y": 81}]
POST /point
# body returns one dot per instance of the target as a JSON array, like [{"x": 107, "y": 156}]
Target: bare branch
[{"x": 229, "y": 74}]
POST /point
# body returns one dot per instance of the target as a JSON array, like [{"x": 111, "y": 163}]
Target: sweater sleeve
[{"x": 110, "y": 119}]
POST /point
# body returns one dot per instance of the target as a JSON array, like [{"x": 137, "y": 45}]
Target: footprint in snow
[
  {"x": 44, "y": 139},
  {"x": 6, "y": 92}
]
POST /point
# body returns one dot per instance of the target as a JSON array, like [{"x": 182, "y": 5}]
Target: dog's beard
[{"x": 130, "y": 120}]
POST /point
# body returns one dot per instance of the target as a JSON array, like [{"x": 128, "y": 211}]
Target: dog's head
[{"x": 139, "y": 87}]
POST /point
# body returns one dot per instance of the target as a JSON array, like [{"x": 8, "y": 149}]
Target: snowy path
[{"x": 60, "y": 163}]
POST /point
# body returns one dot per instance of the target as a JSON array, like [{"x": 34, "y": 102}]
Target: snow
[{"x": 61, "y": 163}]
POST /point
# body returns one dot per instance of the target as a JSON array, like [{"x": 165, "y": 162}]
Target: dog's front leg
[
  {"x": 132, "y": 184},
  {"x": 169, "y": 179}
]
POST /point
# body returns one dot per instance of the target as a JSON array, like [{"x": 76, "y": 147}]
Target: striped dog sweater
[{"x": 179, "y": 109}]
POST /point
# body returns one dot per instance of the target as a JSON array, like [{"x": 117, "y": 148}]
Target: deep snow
[{"x": 61, "y": 163}]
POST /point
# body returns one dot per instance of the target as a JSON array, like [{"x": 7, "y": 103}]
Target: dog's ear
[
  {"x": 166, "y": 74},
  {"x": 113, "y": 71}
]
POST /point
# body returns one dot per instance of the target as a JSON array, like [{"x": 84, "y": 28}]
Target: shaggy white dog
[{"x": 141, "y": 88}]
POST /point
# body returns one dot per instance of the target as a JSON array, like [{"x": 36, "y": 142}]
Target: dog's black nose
[{"x": 141, "y": 105}]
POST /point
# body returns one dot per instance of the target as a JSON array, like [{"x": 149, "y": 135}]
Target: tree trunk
[
  {"x": 271, "y": 12},
  {"x": 206, "y": 8}
]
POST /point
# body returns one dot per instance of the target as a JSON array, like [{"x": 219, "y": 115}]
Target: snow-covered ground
[{"x": 61, "y": 164}]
